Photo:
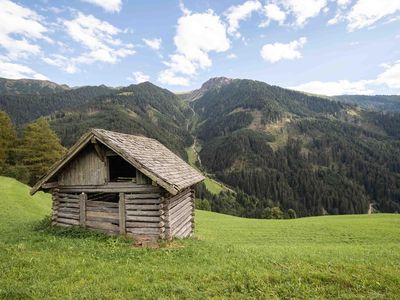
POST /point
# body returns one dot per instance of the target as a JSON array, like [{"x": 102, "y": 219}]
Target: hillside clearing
[{"x": 320, "y": 257}]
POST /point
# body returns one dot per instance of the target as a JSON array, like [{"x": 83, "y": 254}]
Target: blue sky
[{"x": 320, "y": 46}]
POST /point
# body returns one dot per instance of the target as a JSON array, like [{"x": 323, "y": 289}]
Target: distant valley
[{"x": 273, "y": 146}]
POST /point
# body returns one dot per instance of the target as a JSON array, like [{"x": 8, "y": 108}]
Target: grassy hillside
[{"x": 319, "y": 257}]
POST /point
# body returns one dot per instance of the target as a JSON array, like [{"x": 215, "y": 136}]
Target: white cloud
[
  {"x": 241, "y": 12},
  {"x": 154, "y": 44},
  {"x": 139, "y": 77},
  {"x": 302, "y": 10},
  {"x": 365, "y": 13},
  {"x": 331, "y": 88},
  {"x": 99, "y": 37},
  {"x": 389, "y": 78},
  {"x": 231, "y": 56},
  {"x": 19, "y": 27},
  {"x": 107, "y": 5},
  {"x": 197, "y": 34},
  {"x": 278, "y": 51},
  {"x": 273, "y": 13},
  {"x": 62, "y": 62},
  {"x": 17, "y": 71},
  {"x": 169, "y": 77}
]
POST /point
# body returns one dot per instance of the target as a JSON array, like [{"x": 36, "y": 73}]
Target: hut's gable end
[{"x": 85, "y": 169}]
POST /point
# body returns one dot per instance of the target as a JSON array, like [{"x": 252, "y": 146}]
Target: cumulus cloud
[
  {"x": 197, "y": 34},
  {"x": 231, "y": 56},
  {"x": 107, "y": 5},
  {"x": 367, "y": 12},
  {"x": 389, "y": 78},
  {"x": 20, "y": 27},
  {"x": 62, "y": 62},
  {"x": 278, "y": 51},
  {"x": 154, "y": 44},
  {"x": 273, "y": 13},
  {"x": 139, "y": 77},
  {"x": 17, "y": 71},
  {"x": 241, "y": 12},
  {"x": 302, "y": 10},
  {"x": 331, "y": 88},
  {"x": 99, "y": 37}
]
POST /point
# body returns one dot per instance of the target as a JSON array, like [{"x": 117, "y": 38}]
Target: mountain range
[{"x": 278, "y": 147}]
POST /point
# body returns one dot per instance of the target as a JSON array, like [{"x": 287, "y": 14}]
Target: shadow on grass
[
  {"x": 75, "y": 232},
  {"x": 45, "y": 226}
]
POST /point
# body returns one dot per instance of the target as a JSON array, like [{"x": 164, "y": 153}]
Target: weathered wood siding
[
  {"x": 144, "y": 214},
  {"x": 102, "y": 215},
  {"x": 179, "y": 215},
  {"x": 65, "y": 208},
  {"x": 86, "y": 169}
]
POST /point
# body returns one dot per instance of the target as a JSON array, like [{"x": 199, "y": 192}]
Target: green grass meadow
[{"x": 346, "y": 257}]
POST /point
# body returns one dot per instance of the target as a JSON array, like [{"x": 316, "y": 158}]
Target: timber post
[
  {"x": 82, "y": 209},
  {"x": 122, "y": 216}
]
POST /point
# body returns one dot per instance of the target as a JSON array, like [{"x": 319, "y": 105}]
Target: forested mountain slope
[
  {"x": 137, "y": 109},
  {"x": 275, "y": 147},
  {"x": 26, "y": 107},
  {"x": 29, "y": 86},
  {"x": 388, "y": 103},
  {"x": 298, "y": 151}
]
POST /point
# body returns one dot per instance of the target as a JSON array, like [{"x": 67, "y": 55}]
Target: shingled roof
[{"x": 147, "y": 155}]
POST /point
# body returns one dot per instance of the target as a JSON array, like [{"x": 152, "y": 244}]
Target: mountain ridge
[{"x": 274, "y": 146}]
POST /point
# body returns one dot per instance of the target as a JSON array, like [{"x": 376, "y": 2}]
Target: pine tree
[
  {"x": 7, "y": 140},
  {"x": 40, "y": 148}
]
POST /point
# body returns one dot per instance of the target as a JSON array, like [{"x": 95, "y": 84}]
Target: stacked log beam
[
  {"x": 67, "y": 213},
  {"x": 144, "y": 215},
  {"x": 178, "y": 213}
]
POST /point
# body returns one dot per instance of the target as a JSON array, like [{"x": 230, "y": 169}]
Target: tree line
[{"x": 29, "y": 156}]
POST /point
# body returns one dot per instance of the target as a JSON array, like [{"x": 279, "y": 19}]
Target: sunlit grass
[{"x": 319, "y": 257}]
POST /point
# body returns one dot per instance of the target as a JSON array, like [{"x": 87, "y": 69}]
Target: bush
[{"x": 291, "y": 213}]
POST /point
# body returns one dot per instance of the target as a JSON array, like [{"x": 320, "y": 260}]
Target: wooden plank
[
  {"x": 103, "y": 219},
  {"x": 143, "y": 206},
  {"x": 68, "y": 216},
  {"x": 176, "y": 227},
  {"x": 181, "y": 205},
  {"x": 185, "y": 227},
  {"x": 141, "y": 196},
  {"x": 69, "y": 210},
  {"x": 188, "y": 207},
  {"x": 175, "y": 198},
  {"x": 101, "y": 214},
  {"x": 67, "y": 221},
  {"x": 103, "y": 209},
  {"x": 102, "y": 204},
  {"x": 144, "y": 230},
  {"x": 50, "y": 185},
  {"x": 173, "y": 220},
  {"x": 143, "y": 218},
  {"x": 143, "y": 201},
  {"x": 82, "y": 209},
  {"x": 70, "y": 196},
  {"x": 102, "y": 225},
  {"x": 68, "y": 200},
  {"x": 122, "y": 212},
  {"x": 144, "y": 212},
  {"x": 143, "y": 224},
  {"x": 68, "y": 205}
]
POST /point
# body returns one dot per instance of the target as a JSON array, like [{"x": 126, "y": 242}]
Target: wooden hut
[{"x": 123, "y": 184}]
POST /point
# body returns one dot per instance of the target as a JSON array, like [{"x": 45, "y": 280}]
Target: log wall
[
  {"x": 142, "y": 215},
  {"x": 179, "y": 215}
]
